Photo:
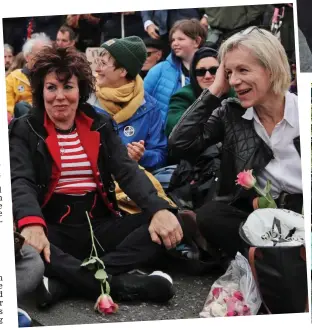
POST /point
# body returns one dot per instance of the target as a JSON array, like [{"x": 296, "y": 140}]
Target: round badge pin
[
  {"x": 21, "y": 88},
  {"x": 129, "y": 131}
]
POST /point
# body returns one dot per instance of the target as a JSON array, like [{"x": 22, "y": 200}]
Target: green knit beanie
[{"x": 129, "y": 52}]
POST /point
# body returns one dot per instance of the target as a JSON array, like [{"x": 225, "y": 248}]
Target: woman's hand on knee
[
  {"x": 165, "y": 227},
  {"x": 36, "y": 237}
]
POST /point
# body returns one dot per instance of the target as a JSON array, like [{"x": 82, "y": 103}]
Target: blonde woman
[{"x": 259, "y": 132}]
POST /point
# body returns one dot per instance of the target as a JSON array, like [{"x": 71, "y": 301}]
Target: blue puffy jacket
[
  {"x": 146, "y": 124},
  {"x": 163, "y": 80}
]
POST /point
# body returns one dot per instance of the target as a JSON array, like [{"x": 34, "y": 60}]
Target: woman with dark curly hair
[{"x": 64, "y": 160}]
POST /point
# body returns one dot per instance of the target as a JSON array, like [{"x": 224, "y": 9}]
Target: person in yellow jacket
[{"x": 18, "y": 90}]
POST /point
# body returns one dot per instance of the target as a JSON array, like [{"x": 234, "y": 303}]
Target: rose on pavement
[{"x": 105, "y": 305}]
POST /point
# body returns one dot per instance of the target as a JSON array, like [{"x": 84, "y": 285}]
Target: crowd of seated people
[{"x": 147, "y": 105}]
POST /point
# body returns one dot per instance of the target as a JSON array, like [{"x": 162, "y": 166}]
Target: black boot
[
  {"x": 156, "y": 287},
  {"x": 50, "y": 291}
]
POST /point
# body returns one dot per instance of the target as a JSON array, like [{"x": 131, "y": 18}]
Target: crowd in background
[
  {"x": 91, "y": 30},
  {"x": 160, "y": 75}
]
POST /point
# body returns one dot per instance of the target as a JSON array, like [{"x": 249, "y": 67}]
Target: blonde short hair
[{"x": 269, "y": 52}]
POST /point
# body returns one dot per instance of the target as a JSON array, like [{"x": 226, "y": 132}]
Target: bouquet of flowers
[{"x": 105, "y": 303}]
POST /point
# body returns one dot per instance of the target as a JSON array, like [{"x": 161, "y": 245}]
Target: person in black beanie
[
  {"x": 202, "y": 74},
  {"x": 155, "y": 54}
]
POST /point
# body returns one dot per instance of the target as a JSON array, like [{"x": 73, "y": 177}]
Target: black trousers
[
  {"x": 122, "y": 243},
  {"x": 219, "y": 223}
]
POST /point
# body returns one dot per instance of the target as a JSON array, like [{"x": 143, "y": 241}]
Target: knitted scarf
[{"x": 122, "y": 102}]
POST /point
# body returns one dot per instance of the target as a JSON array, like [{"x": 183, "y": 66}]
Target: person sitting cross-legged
[
  {"x": 259, "y": 131},
  {"x": 64, "y": 159}
]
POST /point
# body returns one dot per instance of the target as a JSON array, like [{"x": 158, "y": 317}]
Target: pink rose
[
  {"x": 231, "y": 304},
  {"x": 105, "y": 304},
  {"x": 246, "y": 310},
  {"x": 246, "y": 179},
  {"x": 238, "y": 295},
  {"x": 216, "y": 292},
  {"x": 232, "y": 313}
]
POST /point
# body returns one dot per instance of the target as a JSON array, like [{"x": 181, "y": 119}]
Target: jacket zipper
[
  {"x": 104, "y": 124},
  {"x": 35, "y": 131},
  {"x": 97, "y": 168}
]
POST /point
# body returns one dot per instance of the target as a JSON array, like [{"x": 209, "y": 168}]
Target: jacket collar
[
  {"x": 26, "y": 72},
  {"x": 174, "y": 60},
  {"x": 88, "y": 122},
  {"x": 36, "y": 119}
]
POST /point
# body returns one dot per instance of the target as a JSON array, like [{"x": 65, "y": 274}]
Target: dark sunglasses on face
[{"x": 202, "y": 71}]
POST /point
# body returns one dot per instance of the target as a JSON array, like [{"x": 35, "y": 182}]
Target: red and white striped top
[{"x": 76, "y": 174}]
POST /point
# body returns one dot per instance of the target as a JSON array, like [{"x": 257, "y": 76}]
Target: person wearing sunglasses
[
  {"x": 259, "y": 133},
  {"x": 155, "y": 54},
  {"x": 203, "y": 70}
]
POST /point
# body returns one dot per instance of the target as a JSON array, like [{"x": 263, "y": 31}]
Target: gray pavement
[{"x": 191, "y": 294}]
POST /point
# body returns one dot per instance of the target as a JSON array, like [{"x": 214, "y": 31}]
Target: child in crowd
[{"x": 167, "y": 77}]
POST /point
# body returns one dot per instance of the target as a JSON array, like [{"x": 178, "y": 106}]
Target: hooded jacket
[
  {"x": 146, "y": 124},
  {"x": 163, "y": 80},
  {"x": 186, "y": 96},
  {"x": 17, "y": 89}
]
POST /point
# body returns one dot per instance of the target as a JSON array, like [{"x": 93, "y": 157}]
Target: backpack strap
[{"x": 253, "y": 251}]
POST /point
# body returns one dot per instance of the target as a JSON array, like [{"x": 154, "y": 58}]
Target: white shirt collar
[{"x": 290, "y": 111}]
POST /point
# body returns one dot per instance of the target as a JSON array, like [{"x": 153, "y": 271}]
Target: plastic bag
[
  {"x": 235, "y": 293},
  {"x": 273, "y": 227}
]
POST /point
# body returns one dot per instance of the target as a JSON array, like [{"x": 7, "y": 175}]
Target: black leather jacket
[{"x": 207, "y": 122}]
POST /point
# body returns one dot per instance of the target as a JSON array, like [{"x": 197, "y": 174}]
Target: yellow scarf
[{"x": 122, "y": 102}]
